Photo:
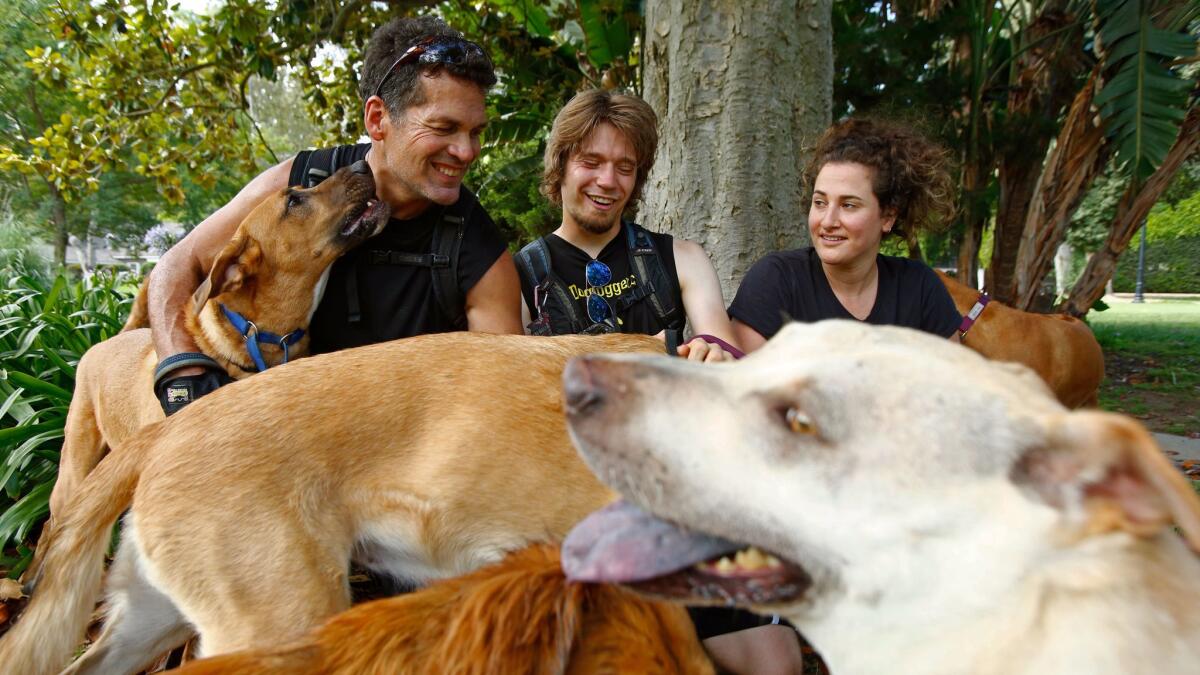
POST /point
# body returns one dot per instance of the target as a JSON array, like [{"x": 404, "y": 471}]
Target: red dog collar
[{"x": 969, "y": 319}]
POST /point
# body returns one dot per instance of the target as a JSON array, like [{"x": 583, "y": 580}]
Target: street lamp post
[{"x": 1141, "y": 273}]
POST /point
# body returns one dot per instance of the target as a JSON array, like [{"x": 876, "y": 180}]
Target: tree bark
[
  {"x": 58, "y": 218},
  {"x": 742, "y": 89},
  {"x": 1070, "y": 169},
  {"x": 1044, "y": 84},
  {"x": 974, "y": 217},
  {"x": 1131, "y": 211}
]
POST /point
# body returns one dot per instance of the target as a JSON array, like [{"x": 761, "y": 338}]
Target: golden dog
[
  {"x": 520, "y": 616},
  {"x": 423, "y": 459},
  {"x": 1059, "y": 348},
  {"x": 923, "y": 510},
  {"x": 271, "y": 272}
]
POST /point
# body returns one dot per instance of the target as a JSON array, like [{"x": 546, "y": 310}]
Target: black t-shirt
[
  {"x": 568, "y": 261},
  {"x": 793, "y": 283},
  {"x": 397, "y": 301}
]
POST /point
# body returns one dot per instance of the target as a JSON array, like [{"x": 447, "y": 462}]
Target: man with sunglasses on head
[
  {"x": 439, "y": 265},
  {"x": 598, "y": 273}
]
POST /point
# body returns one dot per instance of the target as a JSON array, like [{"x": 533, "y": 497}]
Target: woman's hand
[{"x": 701, "y": 351}]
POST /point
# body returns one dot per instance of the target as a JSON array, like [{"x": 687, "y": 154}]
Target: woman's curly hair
[{"x": 911, "y": 173}]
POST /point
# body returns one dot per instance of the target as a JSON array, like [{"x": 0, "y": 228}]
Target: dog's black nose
[
  {"x": 360, "y": 167},
  {"x": 580, "y": 390}
]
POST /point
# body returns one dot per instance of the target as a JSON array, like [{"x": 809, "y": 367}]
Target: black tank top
[{"x": 569, "y": 261}]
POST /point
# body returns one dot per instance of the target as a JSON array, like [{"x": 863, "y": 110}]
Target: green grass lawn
[{"x": 1152, "y": 361}]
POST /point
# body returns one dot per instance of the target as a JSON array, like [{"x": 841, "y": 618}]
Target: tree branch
[{"x": 170, "y": 88}]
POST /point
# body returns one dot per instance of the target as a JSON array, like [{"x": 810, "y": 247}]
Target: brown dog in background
[
  {"x": 272, "y": 272},
  {"x": 1059, "y": 348},
  {"x": 519, "y": 616}
]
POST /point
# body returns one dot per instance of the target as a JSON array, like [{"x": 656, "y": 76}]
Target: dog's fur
[
  {"x": 271, "y": 272},
  {"x": 520, "y": 616},
  {"x": 423, "y": 458},
  {"x": 1059, "y": 348},
  {"x": 951, "y": 516}
]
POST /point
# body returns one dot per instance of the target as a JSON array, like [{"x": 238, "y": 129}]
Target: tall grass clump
[{"x": 47, "y": 322}]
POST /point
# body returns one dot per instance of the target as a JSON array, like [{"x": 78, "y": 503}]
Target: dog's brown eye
[
  {"x": 799, "y": 422},
  {"x": 294, "y": 199}
]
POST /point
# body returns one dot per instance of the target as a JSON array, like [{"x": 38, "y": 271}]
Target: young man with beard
[
  {"x": 598, "y": 273},
  {"x": 439, "y": 265}
]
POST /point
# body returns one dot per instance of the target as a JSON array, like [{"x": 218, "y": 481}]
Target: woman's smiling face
[{"x": 844, "y": 219}]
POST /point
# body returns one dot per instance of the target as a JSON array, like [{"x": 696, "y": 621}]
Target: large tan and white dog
[
  {"x": 922, "y": 509},
  {"x": 423, "y": 458},
  {"x": 272, "y": 273}
]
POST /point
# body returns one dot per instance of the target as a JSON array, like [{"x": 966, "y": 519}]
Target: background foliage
[
  {"x": 1172, "y": 251},
  {"x": 46, "y": 324}
]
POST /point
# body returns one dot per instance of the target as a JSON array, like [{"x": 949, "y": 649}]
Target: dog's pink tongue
[{"x": 621, "y": 543}]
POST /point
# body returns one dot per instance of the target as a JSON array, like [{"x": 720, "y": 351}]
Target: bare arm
[
  {"x": 703, "y": 302},
  {"x": 748, "y": 338},
  {"x": 494, "y": 303},
  {"x": 186, "y": 264}
]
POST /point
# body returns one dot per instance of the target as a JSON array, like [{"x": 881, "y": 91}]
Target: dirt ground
[{"x": 1142, "y": 387}]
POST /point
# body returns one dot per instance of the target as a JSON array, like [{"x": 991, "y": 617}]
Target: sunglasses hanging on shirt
[{"x": 597, "y": 275}]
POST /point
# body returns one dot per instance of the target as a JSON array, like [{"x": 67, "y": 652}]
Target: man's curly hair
[
  {"x": 391, "y": 40},
  {"x": 911, "y": 173}
]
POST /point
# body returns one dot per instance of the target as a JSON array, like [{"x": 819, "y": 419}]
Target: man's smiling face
[
  {"x": 598, "y": 180},
  {"x": 433, "y": 144}
]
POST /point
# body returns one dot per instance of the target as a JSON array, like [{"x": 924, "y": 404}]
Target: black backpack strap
[
  {"x": 310, "y": 167},
  {"x": 652, "y": 275},
  {"x": 533, "y": 264},
  {"x": 443, "y": 259}
]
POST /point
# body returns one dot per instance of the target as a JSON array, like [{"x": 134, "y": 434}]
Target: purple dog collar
[
  {"x": 713, "y": 339},
  {"x": 970, "y": 318}
]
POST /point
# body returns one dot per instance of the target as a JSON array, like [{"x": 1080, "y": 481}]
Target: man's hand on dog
[{"x": 188, "y": 384}]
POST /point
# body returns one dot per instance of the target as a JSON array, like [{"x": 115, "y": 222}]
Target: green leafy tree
[
  {"x": 171, "y": 96},
  {"x": 1020, "y": 85}
]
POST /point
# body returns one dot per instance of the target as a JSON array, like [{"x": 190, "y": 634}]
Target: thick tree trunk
[
  {"x": 968, "y": 252},
  {"x": 974, "y": 217},
  {"x": 742, "y": 89},
  {"x": 1131, "y": 211},
  {"x": 1070, "y": 169}
]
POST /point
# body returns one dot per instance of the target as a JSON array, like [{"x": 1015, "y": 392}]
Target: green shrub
[
  {"x": 1172, "y": 251},
  {"x": 46, "y": 324}
]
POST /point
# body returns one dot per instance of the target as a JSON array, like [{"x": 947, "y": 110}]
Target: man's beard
[{"x": 596, "y": 225}]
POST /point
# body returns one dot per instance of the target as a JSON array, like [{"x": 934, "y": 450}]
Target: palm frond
[{"x": 1143, "y": 101}]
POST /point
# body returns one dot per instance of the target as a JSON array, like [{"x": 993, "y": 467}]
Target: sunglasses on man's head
[
  {"x": 597, "y": 275},
  {"x": 433, "y": 50}
]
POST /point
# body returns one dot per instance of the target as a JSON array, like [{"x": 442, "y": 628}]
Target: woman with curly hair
[{"x": 869, "y": 179}]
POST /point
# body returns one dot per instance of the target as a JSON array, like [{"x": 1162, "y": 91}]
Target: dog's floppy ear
[
  {"x": 1112, "y": 467},
  {"x": 233, "y": 266}
]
